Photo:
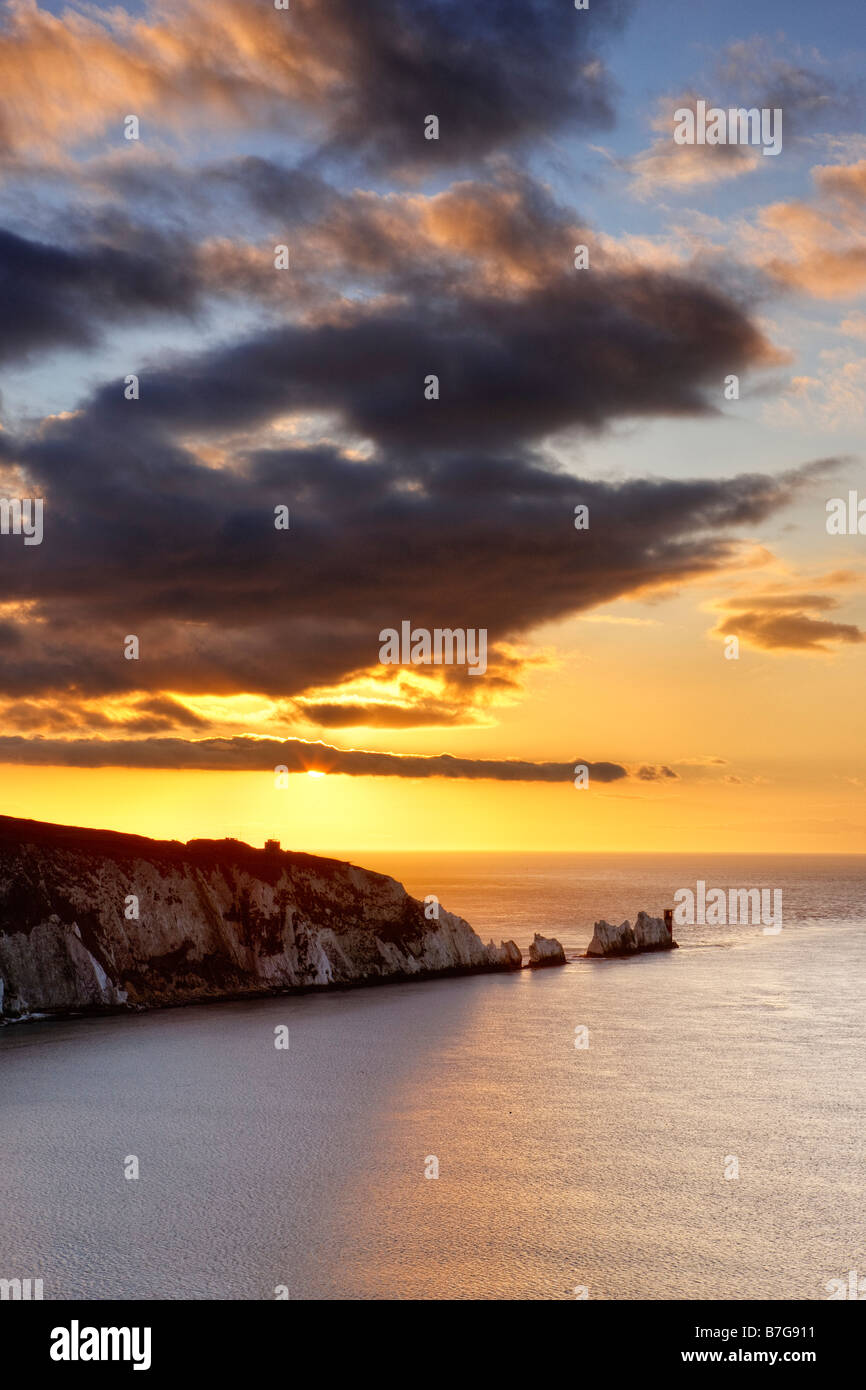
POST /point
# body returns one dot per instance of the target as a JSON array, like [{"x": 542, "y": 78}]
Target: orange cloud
[
  {"x": 65, "y": 79},
  {"x": 789, "y": 619},
  {"x": 668, "y": 165},
  {"x": 819, "y": 247}
]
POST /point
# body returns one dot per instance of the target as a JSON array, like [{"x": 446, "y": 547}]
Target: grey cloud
[
  {"x": 141, "y": 538},
  {"x": 250, "y": 755},
  {"x": 51, "y": 296}
]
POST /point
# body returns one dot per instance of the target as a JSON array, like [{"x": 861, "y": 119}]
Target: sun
[{"x": 313, "y": 772}]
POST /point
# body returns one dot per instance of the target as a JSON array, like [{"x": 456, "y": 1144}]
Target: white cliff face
[
  {"x": 506, "y": 954},
  {"x": 545, "y": 950},
  {"x": 215, "y": 919},
  {"x": 651, "y": 934},
  {"x": 648, "y": 934}
]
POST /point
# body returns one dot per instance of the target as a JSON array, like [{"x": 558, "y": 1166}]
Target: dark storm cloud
[
  {"x": 51, "y": 297},
  {"x": 142, "y": 538},
  {"x": 574, "y": 353},
  {"x": 264, "y": 755},
  {"x": 475, "y": 285},
  {"x": 495, "y": 74}
]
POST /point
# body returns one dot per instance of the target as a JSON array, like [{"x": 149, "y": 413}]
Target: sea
[{"x": 682, "y": 1125}]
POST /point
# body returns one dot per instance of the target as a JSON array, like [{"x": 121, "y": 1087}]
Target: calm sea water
[{"x": 558, "y": 1167}]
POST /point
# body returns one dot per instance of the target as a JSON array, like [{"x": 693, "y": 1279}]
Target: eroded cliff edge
[{"x": 216, "y": 919}]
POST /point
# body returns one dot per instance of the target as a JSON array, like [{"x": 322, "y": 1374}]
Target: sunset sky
[{"x": 304, "y": 387}]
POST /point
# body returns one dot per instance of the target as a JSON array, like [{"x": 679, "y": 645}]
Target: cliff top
[{"x": 117, "y": 843}]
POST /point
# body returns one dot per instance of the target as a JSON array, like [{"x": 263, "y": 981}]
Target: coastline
[{"x": 98, "y": 921}]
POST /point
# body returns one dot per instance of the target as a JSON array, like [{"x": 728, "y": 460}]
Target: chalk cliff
[
  {"x": 648, "y": 934},
  {"x": 545, "y": 950},
  {"x": 216, "y": 919}
]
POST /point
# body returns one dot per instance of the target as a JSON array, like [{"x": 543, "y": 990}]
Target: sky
[{"x": 170, "y": 378}]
